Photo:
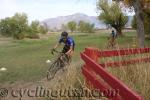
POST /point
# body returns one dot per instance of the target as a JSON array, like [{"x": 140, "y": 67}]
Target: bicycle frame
[{"x": 61, "y": 61}]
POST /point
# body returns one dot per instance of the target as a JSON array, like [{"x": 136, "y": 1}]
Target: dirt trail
[
  {"x": 5, "y": 41},
  {"x": 25, "y": 91}
]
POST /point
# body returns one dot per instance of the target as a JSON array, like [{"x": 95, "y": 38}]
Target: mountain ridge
[{"x": 57, "y": 22}]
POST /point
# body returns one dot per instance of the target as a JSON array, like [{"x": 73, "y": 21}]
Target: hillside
[{"x": 56, "y": 23}]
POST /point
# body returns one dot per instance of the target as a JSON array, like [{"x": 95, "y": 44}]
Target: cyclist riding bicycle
[
  {"x": 68, "y": 42},
  {"x": 111, "y": 39},
  {"x": 113, "y": 35}
]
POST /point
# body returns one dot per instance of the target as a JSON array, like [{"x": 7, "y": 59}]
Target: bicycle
[
  {"x": 112, "y": 43},
  {"x": 61, "y": 61}
]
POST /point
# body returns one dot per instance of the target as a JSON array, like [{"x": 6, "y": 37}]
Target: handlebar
[{"x": 54, "y": 50}]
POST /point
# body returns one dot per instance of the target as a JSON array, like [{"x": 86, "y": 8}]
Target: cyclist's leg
[
  {"x": 109, "y": 45},
  {"x": 70, "y": 55},
  {"x": 67, "y": 58},
  {"x": 62, "y": 64},
  {"x": 65, "y": 49},
  {"x": 113, "y": 41}
]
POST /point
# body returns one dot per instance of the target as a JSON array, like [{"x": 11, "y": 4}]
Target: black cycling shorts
[{"x": 66, "y": 49}]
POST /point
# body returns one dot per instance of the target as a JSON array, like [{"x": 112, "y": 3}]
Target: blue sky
[{"x": 43, "y": 9}]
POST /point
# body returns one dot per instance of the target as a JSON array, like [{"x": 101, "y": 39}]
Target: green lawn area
[{"x": 25, "y": 60}]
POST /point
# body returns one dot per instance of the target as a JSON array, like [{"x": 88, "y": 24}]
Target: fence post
[{"x": 93, "y": 54}]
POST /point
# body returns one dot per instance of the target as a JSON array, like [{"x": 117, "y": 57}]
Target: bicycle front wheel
[{"x": 52, "y": 70}]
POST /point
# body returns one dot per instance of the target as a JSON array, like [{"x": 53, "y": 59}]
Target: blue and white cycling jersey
[{"x": 69, "y": 42}]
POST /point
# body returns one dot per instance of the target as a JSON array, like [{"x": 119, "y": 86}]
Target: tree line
[
  {"x": 112, "y": 15},
  {"x": 18, "y": 27},
  {"x": 82, "y": 26}
]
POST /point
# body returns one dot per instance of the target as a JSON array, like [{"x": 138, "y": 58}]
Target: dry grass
[
  {"x": 135, "y": 76},
  {"x": 72, "y": 80},
  {"x": 67, "y": 80},
  {"x": 22, "y": 68}
]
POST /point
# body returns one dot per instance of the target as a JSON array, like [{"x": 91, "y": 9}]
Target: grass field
[{"x": 25, "y": 60}]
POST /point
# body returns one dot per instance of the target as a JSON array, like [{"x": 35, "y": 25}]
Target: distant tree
[
  {"x": 138, "y": 6},
  {"x": 89, "y": 27},
  {"x": 33, "y": 31},
  {"x": 85, "y": 27},
  {"x": 81, "y": 26},
  {"x": 5, "y": 27},
  {"x": 142, "y": 15},
  {"x": 35, "y": 26},
  {"x": 18, "y": 27},
  {"x": 146, "y": 23},
  {"x": 72, "y": 26},
  {"x": 15, "y": 26},
  {"x": 112, "y": 15},
  {"x": 43, "y": 29}
]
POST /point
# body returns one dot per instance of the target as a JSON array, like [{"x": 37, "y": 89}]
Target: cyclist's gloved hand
[{"x": 52, "y": 51}]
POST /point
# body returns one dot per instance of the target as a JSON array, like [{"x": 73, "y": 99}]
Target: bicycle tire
[
  {"x": 61, "y": 62},
  {"x": 60, "y": 65},
  {"x": 52, "y": 70},
  {"x": 51, "y": 66}
]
